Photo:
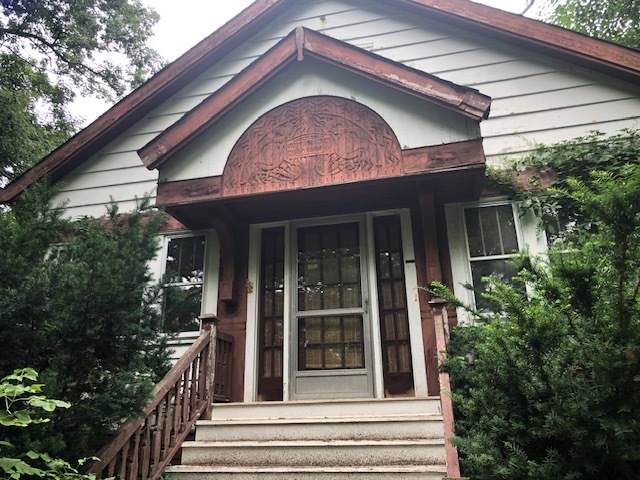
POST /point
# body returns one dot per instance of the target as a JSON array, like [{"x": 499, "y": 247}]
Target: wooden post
[
  {"x": 439, "y": 309},
  {"x": 433, "y": 270},
  {"x": 209, "y": 322}
]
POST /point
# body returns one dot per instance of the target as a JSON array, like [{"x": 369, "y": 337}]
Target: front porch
[{"x": 407, "y": 437}]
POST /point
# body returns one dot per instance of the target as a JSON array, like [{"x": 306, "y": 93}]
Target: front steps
[{"x": 340, "y": 439}]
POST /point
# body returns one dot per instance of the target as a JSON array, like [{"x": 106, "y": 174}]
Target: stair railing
[
  {"x": 441, "y": 322},
  {"x": 143, "y": 447}
]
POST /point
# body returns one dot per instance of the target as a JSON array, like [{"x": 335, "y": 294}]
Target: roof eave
[
  {"x": 149, "y": 95},
  {"x": 300, "y": 44}
]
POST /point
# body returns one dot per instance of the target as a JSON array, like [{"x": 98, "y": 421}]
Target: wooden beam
[
  {"x": 430, "y": 237},
  {"x": 418, "y": 161},
  {"x": 466, "y": 101},
  {"x": 196, "y": 190},
  {"x": 225, "y": 224},
  {"x": 217, "y": 105},
  {"x": 441, "y": 158}
]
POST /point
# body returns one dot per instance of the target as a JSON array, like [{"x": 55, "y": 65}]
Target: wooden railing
[
  {"x": 143, "y": 447},
  {"x": 441, "y": 322}
]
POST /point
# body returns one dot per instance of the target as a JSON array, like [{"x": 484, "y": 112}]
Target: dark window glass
[
  {"x": 184, "y": 277},
  {"x": 492, "y": 239}
]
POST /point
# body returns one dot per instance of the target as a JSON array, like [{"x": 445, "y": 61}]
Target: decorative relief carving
[{"x": 311, "y": 142}]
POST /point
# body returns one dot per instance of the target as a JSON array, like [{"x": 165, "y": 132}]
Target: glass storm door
[
  {"x": 330, "y": 331},
  {"x": 315, "y": 325}
]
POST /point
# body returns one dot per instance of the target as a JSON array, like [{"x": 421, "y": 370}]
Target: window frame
[
  {"x": 529, "y": 234},
  {"x": 503, "y": 256},
  {"x": 413, "y": 306},
  {"x": 210, "y": 276}
]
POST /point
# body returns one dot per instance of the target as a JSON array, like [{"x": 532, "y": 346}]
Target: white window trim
[
  {"x": 413, "y": 305},
  {"x": 211, "y": 276},
  {"x": 528, "y": 232}
]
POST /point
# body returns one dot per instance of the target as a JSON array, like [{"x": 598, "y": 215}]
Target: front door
[
  {"x": 330, "y": 327},
  {"x": 333, "y": 311}
]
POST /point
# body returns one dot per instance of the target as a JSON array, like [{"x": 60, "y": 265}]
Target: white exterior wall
[
  {"x": 535, "y": 100},
  {"x": 416, "y": 123}
]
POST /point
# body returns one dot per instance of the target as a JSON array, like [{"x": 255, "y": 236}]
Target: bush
[
  {"x": 549, "y": 388},
  {"x": 76, "y": 304}
]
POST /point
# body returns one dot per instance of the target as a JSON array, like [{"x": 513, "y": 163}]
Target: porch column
[{"x": 431, "y": 255}]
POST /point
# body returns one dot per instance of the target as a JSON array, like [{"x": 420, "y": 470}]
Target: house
[{"x": 321, "y": 160}]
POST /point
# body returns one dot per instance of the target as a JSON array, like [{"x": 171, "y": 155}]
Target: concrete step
[
  {"x": 343, "y": 453},
  {"x": 327, "y": 408},
  {"x": 356, "y": 427},
  {"x": 410, "y": 472}
]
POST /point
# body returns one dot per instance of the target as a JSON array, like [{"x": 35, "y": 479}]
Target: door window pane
[
  {"x": 394, "y": 328},
  {"x": 271, "y": 314},
  {"x": 329, "y": 267},
  {"x": 330, "y": 343}
]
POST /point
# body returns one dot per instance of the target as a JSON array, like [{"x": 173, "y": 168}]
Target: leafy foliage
[
  {"x": 97, "y": 45},
  {"x": 83, "y": 314},
  {"x": 53, "y": 50},
  {"x": 21, "y": 399},
  {"x": 614, "y": 20},
  {"x": 550, "y": 386},
  {"x": 26, "y": 134}
]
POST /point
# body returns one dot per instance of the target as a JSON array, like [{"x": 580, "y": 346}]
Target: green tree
[
  {"x": 53, "y": 50},
  {"x": 549, "y": 387},
  {"x": 23, "y": 404},
  {"x": 613, "y": 20},
  {"x": 83, "y": 313}
]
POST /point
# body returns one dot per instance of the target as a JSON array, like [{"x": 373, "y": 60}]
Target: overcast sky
[{"x": 182, "y": 26}]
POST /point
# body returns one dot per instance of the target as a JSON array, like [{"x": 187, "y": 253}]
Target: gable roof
[
  {"x": 580, "y": 49},
  {"x": 300, "y": 44}
]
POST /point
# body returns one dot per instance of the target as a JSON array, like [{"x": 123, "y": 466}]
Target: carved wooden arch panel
[{"x": 309, "y": 142}]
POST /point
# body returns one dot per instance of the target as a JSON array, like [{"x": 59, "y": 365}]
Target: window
[
  {"x": 492, "y": 239},
  {"x": 184, "y": 282},
  {"x": 329, "y": 279}
]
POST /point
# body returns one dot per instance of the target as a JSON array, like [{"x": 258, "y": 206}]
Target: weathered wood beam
[
  {"x": 441, "y": 158},
  {"x": 466, "y": 101},
  {"x": 462, "y": 100},
  {"x": 196, "y": 190},
  {"x": 430, "y": 237},
  {"x": 417, "y": 161}
]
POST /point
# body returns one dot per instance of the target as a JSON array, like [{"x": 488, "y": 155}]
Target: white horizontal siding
[
  {"x": 416, "y": 123},
  {"x": 120, "y": 192},
  {"x": 536, "y": 99},
  {"x": 97, "y": 210},
  {"x": 107, "y": 178},
  {"x": 498, "y": 148},
  {"x": 118, "y": 177},
  {"x": 589, "y": 115}
]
